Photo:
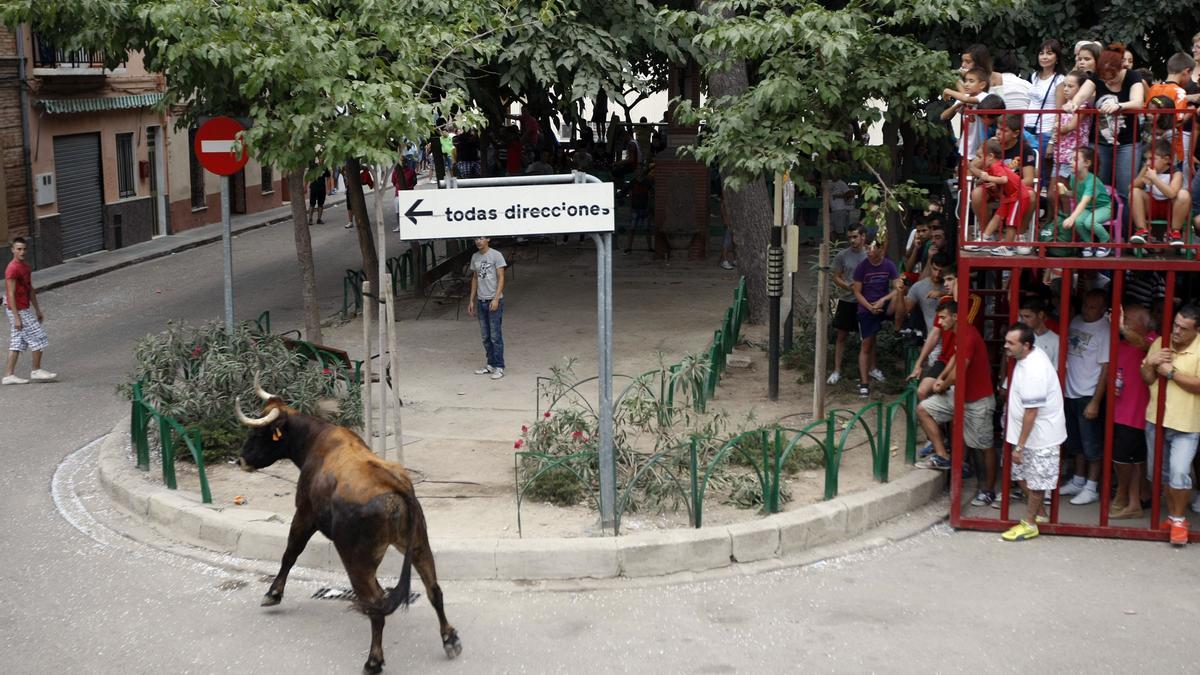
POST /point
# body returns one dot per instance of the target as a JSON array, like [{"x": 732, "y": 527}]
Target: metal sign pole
[
  {"x": 227, "y": 243},
  {"x": 411, "y": 207},
  {"x": 383, "y": 315}
]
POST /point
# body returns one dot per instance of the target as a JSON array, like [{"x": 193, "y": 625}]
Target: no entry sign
[{"x": 214, "y": 146}]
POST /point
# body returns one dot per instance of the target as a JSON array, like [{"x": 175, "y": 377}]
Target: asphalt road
[{"x": 77, "y": 595}]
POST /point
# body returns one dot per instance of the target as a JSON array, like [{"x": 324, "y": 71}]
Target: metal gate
[{"x": 80, "y": 193}]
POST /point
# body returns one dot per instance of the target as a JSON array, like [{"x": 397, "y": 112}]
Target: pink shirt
[{"x": 1134, "y": 394}]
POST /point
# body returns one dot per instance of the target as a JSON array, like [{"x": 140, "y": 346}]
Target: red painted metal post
[
  {"x": 1110, "y": 390},
  {"x": 1161, "y": 408}
]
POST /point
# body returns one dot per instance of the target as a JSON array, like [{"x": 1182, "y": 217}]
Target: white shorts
[
  {"x": 1038, "y": 468},
  {"x": 31, "y": 337}
]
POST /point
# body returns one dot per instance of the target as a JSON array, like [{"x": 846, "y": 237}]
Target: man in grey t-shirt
[
  {"x": 845, "y": 317},
  {"x": 927, "y": 292},
  {"x": 487, "y": 302}
]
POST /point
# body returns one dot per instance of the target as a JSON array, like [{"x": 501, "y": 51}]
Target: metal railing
[
  {"x": 46, "y": 55},
  {"x": 141, "y": 415},
  {"x": 1117, "y": 166},
  {"x": 764, "y": 450}
]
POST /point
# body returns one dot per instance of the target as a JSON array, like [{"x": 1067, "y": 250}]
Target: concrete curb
[{"x": 256, "y": 534}]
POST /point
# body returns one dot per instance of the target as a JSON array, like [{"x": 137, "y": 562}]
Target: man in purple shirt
[{"x": 877, "y": 287}]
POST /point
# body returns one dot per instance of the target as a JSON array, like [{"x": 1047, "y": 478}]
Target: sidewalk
[{"x": 101, "y": 262}]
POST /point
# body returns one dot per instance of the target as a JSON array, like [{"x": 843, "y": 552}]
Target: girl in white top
[{"x": 1045, "y": 91}]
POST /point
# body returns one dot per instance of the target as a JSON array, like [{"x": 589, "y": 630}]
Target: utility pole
[{"x": 775, "y": 288}]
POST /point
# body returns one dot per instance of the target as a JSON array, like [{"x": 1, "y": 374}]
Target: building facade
[{"x": 91, "y": 161}]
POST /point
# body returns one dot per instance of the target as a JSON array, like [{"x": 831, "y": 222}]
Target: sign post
[
  {"x": 214, "y": 147},
  {"x": 533, "y": 205}
]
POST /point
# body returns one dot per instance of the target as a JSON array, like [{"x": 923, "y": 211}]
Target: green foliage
[
  {"x": 195, "y": 373},
  {"x": 557, "y": 486},
  {"x": 220, "y": 439},
  {"x": 823, "y": 74}
]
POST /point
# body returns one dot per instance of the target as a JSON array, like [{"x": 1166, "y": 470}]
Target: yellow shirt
[{"x": 1182, "y": 412}]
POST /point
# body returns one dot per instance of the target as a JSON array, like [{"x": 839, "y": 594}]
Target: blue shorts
[{"x": 870, "y": 324}]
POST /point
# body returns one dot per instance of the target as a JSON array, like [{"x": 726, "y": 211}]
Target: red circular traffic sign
[{"x": 214, "y": 144}]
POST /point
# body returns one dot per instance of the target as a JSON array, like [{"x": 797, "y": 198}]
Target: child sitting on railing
[
  {"x": 1093, "y": 205},
  {"x": 1159, "y": 196},
  {"x": 1015, "y": 197}
]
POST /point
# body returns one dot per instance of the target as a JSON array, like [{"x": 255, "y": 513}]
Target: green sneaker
[{"x": 1020, "y": 532}]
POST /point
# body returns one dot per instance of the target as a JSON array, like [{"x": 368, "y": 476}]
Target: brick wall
[{"x": 14, "y": 200}]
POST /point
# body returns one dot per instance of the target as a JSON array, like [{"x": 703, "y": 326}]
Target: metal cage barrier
[{"x": 1084, "y": 520}]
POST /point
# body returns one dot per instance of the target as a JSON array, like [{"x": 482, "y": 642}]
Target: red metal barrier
[{"x": 1086, "y": 520}]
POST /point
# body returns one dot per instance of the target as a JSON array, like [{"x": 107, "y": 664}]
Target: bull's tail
[{"x": 401, "y": 595}]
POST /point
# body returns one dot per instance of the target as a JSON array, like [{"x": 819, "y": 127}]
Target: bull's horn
[
  {"x": 262, "y": 393},
  {"x": 250, "y": 421}
]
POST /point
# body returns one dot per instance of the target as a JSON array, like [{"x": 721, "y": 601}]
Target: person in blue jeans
[{"x": 487, "y": 302}]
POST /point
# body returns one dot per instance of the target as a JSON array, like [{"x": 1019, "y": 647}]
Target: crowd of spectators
[{"x": 1086, "y": 156}]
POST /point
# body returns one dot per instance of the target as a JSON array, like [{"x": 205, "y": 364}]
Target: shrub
[{"x": 195, "y": 373}]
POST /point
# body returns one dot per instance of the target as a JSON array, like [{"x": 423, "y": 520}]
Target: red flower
[
  {"x": 524, "y": 429},
  {"x": 326, "y": 371},
  {"x": 196, "y": 350},
  {"x": 577, "y": 435},
  {"x": 519, "y": 443},
  {"x": 546, "y": 414}
]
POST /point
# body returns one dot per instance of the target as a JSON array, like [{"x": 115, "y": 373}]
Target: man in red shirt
[
  {"x": 970, "y": 357},
  {"x": 24, "y": 318}
]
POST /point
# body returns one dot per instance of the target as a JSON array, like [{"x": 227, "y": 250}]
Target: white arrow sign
[{"x": 506, "y": 211}]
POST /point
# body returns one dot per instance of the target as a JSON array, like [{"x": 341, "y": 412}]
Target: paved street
[{"x": 77, "y": 596}]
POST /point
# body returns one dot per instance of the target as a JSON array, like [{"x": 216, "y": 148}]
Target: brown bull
[{"x": 360, "y": 502}]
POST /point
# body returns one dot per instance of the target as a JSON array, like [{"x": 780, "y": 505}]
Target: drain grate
[{"x": 349, "y": 595}]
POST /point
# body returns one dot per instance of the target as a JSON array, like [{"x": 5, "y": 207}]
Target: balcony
[{"x": 49, "y": 61}]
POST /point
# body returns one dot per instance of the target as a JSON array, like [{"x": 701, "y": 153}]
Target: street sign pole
[
  {"x": 227, "y": 245},
  {"x": 214, "y": 146},
  {"x": 512, "y": 208}
]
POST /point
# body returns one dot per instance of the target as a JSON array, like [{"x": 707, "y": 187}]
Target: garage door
[{"x": 80, "y": 193}]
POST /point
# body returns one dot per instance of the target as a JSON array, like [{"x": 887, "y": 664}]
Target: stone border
[{"x": 258, "y": 534}]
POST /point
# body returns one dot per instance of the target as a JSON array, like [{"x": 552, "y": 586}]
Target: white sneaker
[
  {"x": 13, "y": 379},
  {"x": 726, "y": 265},
  {"x": 834, "y": 378},
  {"x": 1024, "y": 250},
  {"x": 485, "y": 370},
  {"x": 498, "y": 373},
  {"x": 1101, "y": 252},
  {"x": 1071, "y": 488},
  {"x": 1002, "y": 251},
  {"x": 40, "y": 375},
  {"x": 1087, "y": 253},
  {"x": 1086, "y": 496},
  {"x": 876, "y": 375}
]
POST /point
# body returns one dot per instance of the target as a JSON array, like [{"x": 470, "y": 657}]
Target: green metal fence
[
  {"x": 141, "y": 415},
  {"x": 690, "y": 466}
]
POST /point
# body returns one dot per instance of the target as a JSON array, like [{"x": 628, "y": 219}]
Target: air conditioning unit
[{"x": 43, "y": 189}]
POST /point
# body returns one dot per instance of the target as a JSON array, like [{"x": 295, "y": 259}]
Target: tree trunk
[
  {"x": 750, "y": 206},
  {"x": 304, "y": 258},
  {"x": 356, "y": 201},
  {"x": 895, "y": 242}
]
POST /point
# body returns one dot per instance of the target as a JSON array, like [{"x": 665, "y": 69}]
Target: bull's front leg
[{"x": 303, "y": 528}]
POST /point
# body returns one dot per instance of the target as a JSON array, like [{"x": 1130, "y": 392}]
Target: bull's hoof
[
  {"x": 452, "y": 644},
  {"x": 373, "y": 667},
  {"x": 271, "y": 599}
]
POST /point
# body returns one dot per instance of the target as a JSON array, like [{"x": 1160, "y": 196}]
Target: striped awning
[{"x": 68, "y": 106}]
